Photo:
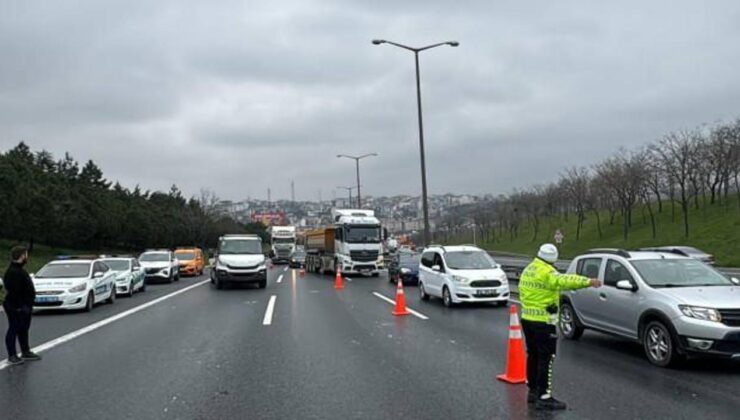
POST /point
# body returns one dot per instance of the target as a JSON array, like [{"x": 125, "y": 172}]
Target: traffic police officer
[{"x": 539, "y": 290}]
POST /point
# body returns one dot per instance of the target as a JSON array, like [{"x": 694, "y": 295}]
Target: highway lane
[{"x": 329, "y": 354}]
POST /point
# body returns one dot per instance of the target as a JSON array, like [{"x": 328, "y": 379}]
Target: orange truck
[{"x": 192, "y": 261}]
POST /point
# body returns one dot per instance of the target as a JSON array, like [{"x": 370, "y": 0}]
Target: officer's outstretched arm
[{"x": 557, "y": 281}]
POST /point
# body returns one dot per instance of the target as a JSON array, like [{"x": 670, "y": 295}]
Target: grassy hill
[{"x": 713, "y": 228}]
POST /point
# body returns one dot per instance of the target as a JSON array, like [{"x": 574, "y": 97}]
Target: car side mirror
[
  {"x": 735, "y": 280},
  {"x": 436, "y": 268},
  {"x": 98, "y": 275},
  {"x": 626, "y": 285}
]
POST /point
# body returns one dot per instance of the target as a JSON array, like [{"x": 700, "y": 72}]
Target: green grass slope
[
  {"x": 713, "y": 228},
  {"x": 41, "y": 255}
]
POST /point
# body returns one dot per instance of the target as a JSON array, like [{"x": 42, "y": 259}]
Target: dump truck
[{"x": 353, "y": 244}]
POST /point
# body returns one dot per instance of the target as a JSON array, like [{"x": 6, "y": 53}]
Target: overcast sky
[{"x": 237, "y": 96}]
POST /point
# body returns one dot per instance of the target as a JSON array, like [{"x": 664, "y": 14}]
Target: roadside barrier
[{"x": 516, "y": 360}]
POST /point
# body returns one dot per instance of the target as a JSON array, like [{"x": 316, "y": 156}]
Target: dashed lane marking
[
  {"x": 267, "y": 320},
  {"x": 92, "y": 327},
  {"x": 393, "y": 302},
  {"x": 280, "y": 279}
]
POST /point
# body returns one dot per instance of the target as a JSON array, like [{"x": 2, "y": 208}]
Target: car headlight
[
  {"x": 697, "y": 312},
  {"x": 405, "y": 270},
  {"x": 122, "y": 278},
  {"x": 165, "y": 271},
  {"x": 461, "y": 279},
  {"x": 78, "y": 288}
]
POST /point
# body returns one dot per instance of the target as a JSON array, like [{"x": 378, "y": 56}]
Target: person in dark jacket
[{"x": 18, "y": 306}]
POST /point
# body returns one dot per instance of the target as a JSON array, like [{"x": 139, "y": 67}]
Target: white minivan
[{"x": 460, "y": 274}]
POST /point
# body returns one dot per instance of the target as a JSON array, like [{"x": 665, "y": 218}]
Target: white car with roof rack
[
  {"x": 675, "y": 306},
  {"x": 129, "y": 274},
  {"x": 460, "y": 274},
  {"x": 160, "y": 264},
  {"x": 77, "y": 282}
]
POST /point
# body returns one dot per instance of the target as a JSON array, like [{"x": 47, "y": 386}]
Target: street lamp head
[
  {"x": 378, "y": 41},
  {"x": 453, "y": 43}
]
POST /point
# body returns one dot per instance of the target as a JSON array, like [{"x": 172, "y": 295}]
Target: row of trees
[
  {"x": 63, "y": 203},
  {"x": 680, "y": 173}
]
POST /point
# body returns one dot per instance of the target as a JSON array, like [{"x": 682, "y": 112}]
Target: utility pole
[
  {"x": 292, "y": 191},
  {"x": 269, "y": 197}
]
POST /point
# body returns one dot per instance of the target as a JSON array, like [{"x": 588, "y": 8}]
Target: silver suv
[{"x": 675, "y": 306}]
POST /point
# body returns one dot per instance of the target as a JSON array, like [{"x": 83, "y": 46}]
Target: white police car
[
  {"x": 129, "y": 274},
  {"x": 74, "y": 283}
]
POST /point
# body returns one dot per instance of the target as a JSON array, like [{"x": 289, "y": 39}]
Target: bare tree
[{"x": 676, "y": 150}]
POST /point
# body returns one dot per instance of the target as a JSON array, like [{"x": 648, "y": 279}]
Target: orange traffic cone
[
  {"x": 400, "y": 300},
  {"x": 516, "y": 364},
  {"x": 338, "y": 281}
]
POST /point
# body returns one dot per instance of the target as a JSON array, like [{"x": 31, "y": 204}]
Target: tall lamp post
[
  {"x": 357, "y": 166},
  {"x": 416, "y": 51}
]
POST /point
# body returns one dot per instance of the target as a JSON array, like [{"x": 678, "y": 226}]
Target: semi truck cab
[
  {"x": 358, "y": 241},
  {"x": 282, "y": 243}
]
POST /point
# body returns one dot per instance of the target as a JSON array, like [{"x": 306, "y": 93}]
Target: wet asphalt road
[{"x": 326, "y": 354}]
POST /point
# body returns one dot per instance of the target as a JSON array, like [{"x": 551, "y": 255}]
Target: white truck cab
[
  {"x": 358, "y": 241},
  {"x": 282, "y": 243}
]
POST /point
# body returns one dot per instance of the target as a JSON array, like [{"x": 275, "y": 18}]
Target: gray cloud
[{"x": 241, "y": 95}]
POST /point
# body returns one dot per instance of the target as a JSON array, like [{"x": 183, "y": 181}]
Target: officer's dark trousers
[
  {"x": 541, "y": 339},
  {"x": 19, "y": 322}
]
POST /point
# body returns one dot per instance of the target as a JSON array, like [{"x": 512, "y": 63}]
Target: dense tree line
[
  {"x": 63, "y": 203},
  {"x": 680, "y": 173}
]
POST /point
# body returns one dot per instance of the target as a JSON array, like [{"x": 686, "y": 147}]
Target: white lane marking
[
  {"x": 92, "y": 327},
  {"x": 267, "y": 320},
  {"x": 285, "y": 269},
  {"x": 280, "y": 279},
  {"x": 393, "y": 302},
  {"x": 348, "y": 279}
]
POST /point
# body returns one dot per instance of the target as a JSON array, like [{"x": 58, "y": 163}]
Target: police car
[
  {"x": 74, "y": 283},
  {"x": 129, "y": 274}
]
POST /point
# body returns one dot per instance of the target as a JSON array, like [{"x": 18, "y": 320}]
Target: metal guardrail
[{"x": 513, "y": 264}]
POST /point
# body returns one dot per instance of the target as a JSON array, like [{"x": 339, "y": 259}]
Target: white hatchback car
[
  {"x": 74, "y": 283},
  {"x": 460, "y": 274}
]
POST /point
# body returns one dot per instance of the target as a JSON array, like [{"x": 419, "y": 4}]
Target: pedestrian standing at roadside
[
  {"x": 18, "y": 306},
  {"x": 539, "y": 290}
]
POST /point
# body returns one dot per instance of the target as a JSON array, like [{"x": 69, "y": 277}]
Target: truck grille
[
  {"x": 363, "y": 256},
  {"x": 485, "y": 283},
  {"x": 283, "y": 253},
  {"x": 236, "y": 267},
  {"x": 730, "y": 317}
]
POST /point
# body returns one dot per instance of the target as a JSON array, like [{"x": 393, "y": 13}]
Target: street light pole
[
  {"x": 424, "y": 197},
  {"x": 357, "y": 167},
  {"x": 349, "y": 190}
]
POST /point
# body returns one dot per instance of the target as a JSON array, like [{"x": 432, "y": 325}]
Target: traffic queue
[{"x": 79, "y": 282}]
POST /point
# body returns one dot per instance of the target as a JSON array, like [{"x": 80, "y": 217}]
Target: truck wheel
[
  {"x": 263, "y": 284},
  {"x": 219, "y": 284}
]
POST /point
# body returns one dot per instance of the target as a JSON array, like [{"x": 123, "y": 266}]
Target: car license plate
[
  {"x": 46, "y": 299},
  {"x": 486, "y": 292}
]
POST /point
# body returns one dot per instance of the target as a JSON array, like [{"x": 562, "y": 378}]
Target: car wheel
[
  {"x": 447, "y": 297},
  {"x": 112, "y": 298},
  {"x": 422, "y": 292},
  {"x": 131, "y": 289},
  {"x": 143, "y": 285},
  {"x": 90, "y": 302},
  {"x": 569, "y": 324},
  {"x": 177, "y": 277},
  {"x": 219, "y": 284},
  {"x": 659, "y": 345}
]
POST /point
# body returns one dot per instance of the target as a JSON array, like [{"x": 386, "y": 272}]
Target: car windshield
[
  {"x": 362, "y": 234},
  {"x": 64, "y": 270},
  {"x": 185, "y": 256},
  {"x": 283, "y": 240},
  {"x": 406, "y": 259},
  {"x": 240, "y": 246},
  {"x": 469, "y": 260},
  {"x": 118, "y": 265},
  {"x": 675, "y": 272},
  {"x": 154, "y": 257}
]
